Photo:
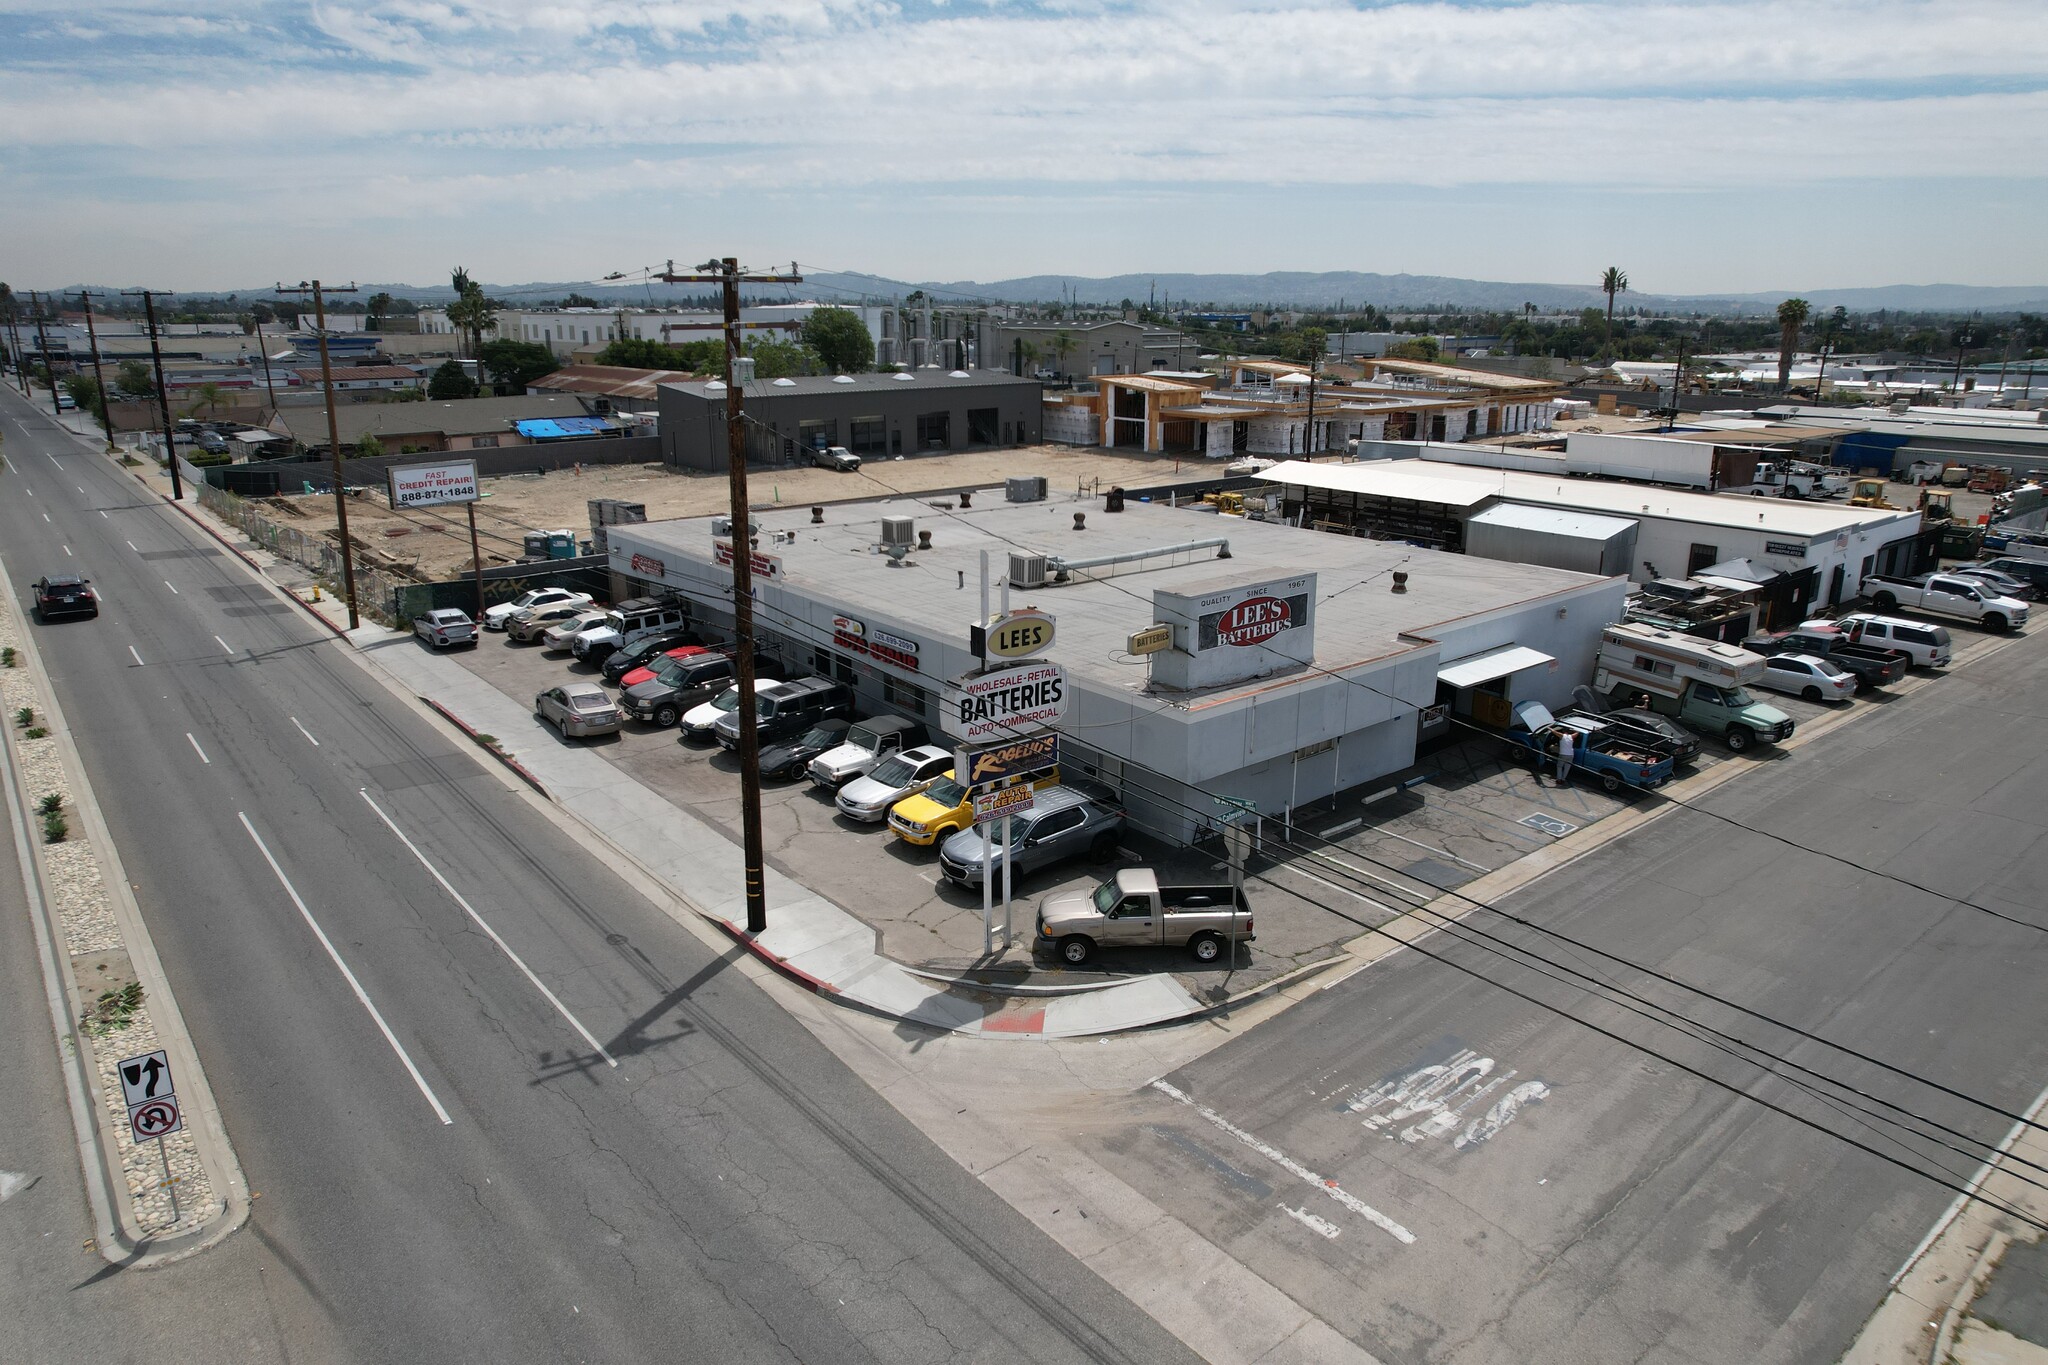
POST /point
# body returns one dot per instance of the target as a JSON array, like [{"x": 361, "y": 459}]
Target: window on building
[
  {"x": 867, "y": 435},
  {"x": 982, "y": 424},
  {"x": 907, "y": 696},
  {"x": 935, "y": 431},
  {"x": 818, "y": 432},
  {"x": 483, "y": 440},
  {"x": 1701, "y": 557}
]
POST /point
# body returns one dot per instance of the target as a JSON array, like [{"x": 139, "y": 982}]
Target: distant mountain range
[{"x": 1278, "y": 289}]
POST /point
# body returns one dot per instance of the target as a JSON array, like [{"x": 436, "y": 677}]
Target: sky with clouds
[{"x": 1703, "y": 145}]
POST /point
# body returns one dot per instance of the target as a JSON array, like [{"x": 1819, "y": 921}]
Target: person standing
[{"x": 1564, "y": 757}]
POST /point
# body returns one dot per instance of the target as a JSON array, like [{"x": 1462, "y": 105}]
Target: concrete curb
[
  {"x": 1966, "y": 1294},
  {"x": 476, "y": 737},
  {"x": 122, "y": 1240},
  {"x": 814, "y": 984}
]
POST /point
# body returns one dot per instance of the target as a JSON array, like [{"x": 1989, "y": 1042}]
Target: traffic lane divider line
[
  {"x": 361, "y": 995},
  {"x": 197, "y": 750},
  {"x": 482, "y": 924},
  {"x": 307, "y": 733},
  {"x": 138, "y": 657}
]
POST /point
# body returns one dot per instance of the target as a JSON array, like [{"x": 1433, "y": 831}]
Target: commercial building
[
  {"x": 1808, "y": 552},
  {"x": 572, "y": 332},
  {"x": 1298, "y": 666},
  {"x": 874, "y": 415},
  {"x": 456, "y": 424}
]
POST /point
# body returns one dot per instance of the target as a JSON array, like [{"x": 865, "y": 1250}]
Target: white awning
[{"x": 1474, "y": 669}]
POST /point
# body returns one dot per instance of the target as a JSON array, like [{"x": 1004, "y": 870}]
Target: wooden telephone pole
[
  {"x": 726, "y": 274},
  {"x": 99, "y": 375},
  {"x": 163, "y": 394},
  {"x": 348, "y": 559}
]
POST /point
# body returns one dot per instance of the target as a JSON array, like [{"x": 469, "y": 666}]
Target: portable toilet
[
  {"x": 536, "y": 545},
  {"x": 562, "y": 544}
]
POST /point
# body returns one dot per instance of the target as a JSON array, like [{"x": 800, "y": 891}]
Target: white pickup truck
[
  {"x": 1941, "y": 594},
  {"x": 1132, "y": 910}
]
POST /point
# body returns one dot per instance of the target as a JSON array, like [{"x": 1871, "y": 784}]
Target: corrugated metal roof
[
  {"x": 1474, "y": 669},
  {"x": 1553, "y": 520}
]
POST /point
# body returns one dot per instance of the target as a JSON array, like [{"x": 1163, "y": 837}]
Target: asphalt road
[
  {"x": 1569, "y": 1197},
  {"x": 728, "y": 1191}
]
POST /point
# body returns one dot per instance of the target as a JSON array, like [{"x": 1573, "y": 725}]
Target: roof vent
[
  {"x": 898, "y": 531},
  {"x": 958, "y": 374},
  {"x": 842, "y": 379},
  {"x": 905, "y": 375},
  {"x": 785, "y": 383},
  {"x": 1400, "y": 580}
]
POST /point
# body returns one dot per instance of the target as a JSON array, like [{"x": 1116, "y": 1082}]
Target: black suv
[
  {"x": 65, "y": 594},
  {"x": 793, "y": 708},
  {"x": 678, "y": 685}
]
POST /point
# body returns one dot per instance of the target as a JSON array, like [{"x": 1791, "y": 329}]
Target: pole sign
[
  {"x": 1003, "y": 801},
  {"x": 996, "y": 705},
  {"x": 1022, "y": 634},
  {"x": 150, "y": 1094},
  {"x": 433, "y": 485},
  {"x": 1004, "y": 762}
]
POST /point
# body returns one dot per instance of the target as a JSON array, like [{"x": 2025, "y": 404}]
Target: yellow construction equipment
[{"x": 1869, "y": 493}]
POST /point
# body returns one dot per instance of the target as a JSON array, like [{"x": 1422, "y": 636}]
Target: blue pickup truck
[{"x": 1631, "y": 759}]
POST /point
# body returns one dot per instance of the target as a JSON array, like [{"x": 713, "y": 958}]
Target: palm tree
[
  {"x": 1792, "y": 315},
  {"x": 1613, "y": 280},
  {"x": 1063, "y": 346}
]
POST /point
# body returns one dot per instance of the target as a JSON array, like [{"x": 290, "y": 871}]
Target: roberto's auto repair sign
[
  {"x": 432, "y": 485},
  {"x": 999, "y": 704}
]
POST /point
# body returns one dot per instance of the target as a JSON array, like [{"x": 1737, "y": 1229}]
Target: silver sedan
[{"x": 579, "y": 710}]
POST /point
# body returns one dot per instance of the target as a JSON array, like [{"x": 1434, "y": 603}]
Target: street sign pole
[
  {"x": 1009, "y": 832},
  {"x": 170, "y": 1181},
  {"x": 988, "y": 876}
]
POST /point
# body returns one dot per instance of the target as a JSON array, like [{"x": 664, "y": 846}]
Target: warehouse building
[
  {"x": 1296, "y": 668},
  {"x": 876, "y": 416},
  {"x": 1808, "y": 553}
]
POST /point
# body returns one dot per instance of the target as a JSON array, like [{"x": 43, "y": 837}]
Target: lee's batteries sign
[
  {"x": 997, "y": 705},
  {"x": 1225, "y": 634},
  {"x": 431, "y": 485}
]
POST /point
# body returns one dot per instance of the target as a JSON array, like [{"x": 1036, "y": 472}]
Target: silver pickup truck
[{"x": 1132, "y": 910}]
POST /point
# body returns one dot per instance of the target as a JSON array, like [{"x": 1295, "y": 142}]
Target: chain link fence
[{"x": 377, "y": 594}]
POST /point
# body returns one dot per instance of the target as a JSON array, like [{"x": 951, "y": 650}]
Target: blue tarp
[{"x": 554, "y": 428}]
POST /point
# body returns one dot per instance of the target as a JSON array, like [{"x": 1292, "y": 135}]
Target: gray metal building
[
  {"x": 1579, "y": 541},
  {"x": 874, "y": 415}
]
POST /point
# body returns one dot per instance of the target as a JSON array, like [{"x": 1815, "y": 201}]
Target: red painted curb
[
  {"x": 796, "y": 974},
  {"x": 514, "y": 764}
]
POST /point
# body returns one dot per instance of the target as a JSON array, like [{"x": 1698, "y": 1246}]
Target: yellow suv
[{"x": 944, "y": 808}]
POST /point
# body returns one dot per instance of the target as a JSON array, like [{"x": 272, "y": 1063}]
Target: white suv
[{"x": 627, "y": 623}]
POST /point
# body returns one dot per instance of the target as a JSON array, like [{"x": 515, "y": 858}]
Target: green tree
[
  {"x": 840, "y": 340},
  {"x": 1613, "y": 280},
  {"x": 451, "y": 381},
  {"x": 1422, "y": 348},
  {"x": 132, "y": 376},
  {"x": 780, "y": 359},
  {"x": 1062, "y": 346},
  {"x": 1306, "y": 345},
  {"x": 208, "y": 396},
  {"x": 369, "y": 448},
  {"x": 512, "y": 365},
  {"x": 1792, "y": 314},
  {"x": 471, "y": 314},
  {"x": 639, "y": 353},
  {"x": 84, "y": 391},
  {"x": 378, "y": 312}
]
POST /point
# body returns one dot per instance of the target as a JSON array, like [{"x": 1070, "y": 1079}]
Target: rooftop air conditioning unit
[
  {"x": 721, "y": 527},
  {"x": 898, "y": 531},
  {"x": 1027, "y": 571},
  {"x": 1025, "y": 489}
]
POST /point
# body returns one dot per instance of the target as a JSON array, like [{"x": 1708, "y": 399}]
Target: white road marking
[
  {"x": 1437, "y": 1097},
  {"x": 1503, "y": 1113},
  {"x": 302, "y": 729},
  {"x": 354, "y": 985},
  {"x": 197, "y": 750},
  {"x": 30, "y": 491},
  {"x": 67, "y": 551},
  {"x": 1355, "y": 895},
  {"x": 1444, "y": 852},
  {"x": 503, "y": 946},
  {"x": 103, "y": 511},
  {"x": 131, "y": 545},
  {"x": 172, "y": 586},
  {"x": 1293, "y": 1167},
  {"x": 13, "y": 1183},
  {"x": 46, "y": 516},
  {"x": 1313, "y": 1223},
  {"x": 225, "y": 645},
  {"x": 81, "y": 490},
  {"x": 138, "y": 657},
  {"x": 2020, "y": 1125},
  {"x": 46, "y": 454}
]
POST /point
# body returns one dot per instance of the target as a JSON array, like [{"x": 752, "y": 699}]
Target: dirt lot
[{"x": 435, "y": 545}]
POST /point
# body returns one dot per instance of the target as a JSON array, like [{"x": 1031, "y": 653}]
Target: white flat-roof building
[
  {"x": 1299, "y": 667},
  {"x": 1825, "y": 550}
]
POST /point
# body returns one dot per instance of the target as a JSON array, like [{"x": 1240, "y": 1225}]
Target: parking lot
[{"x": 1343, "y": 866}]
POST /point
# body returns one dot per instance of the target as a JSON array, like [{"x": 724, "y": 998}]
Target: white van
[{"x": 1928, "y": 645}]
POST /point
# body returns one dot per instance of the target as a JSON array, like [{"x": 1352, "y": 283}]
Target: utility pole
[
  {"x": 348, "y": 559},
  {"x": 99, "y": 375},
  {"x": 263, "y": 349},
  {"x": 163, "y": 394},
  {"x": 43, "y": 341},
  {"x": 20, "y": 360},
  {"x": 726, "y": 274}
]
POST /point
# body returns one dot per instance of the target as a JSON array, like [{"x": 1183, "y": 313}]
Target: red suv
[{"x": 641, "y": 675}]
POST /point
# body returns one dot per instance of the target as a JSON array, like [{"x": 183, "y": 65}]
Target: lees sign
[{"x": 1252, "y": 621}]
